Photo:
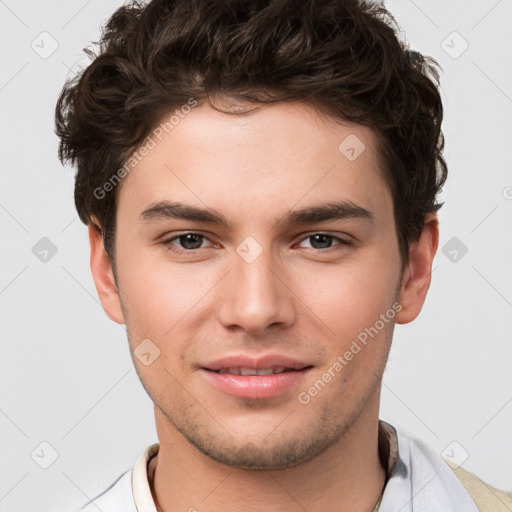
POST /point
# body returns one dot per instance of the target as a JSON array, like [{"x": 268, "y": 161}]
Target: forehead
[{"x": 272, "y": 158}]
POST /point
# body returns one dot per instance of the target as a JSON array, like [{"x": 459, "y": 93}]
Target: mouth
[
  {"x": 266, "y": 377},
  {"x": 253, "y": 371}
]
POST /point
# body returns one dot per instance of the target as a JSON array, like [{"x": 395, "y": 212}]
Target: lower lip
[{"x": 254, "y": 386}]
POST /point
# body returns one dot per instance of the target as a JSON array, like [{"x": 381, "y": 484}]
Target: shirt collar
[{"x": 140, "y": 484}]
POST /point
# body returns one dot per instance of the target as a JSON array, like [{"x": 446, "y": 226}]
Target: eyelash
[{"x": 168, "y": 242}]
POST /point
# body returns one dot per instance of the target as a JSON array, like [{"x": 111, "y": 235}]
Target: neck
[{"x": 346, "y": 477}]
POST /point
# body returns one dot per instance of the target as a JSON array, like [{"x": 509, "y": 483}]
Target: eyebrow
[{"x": 309, "y": 215}]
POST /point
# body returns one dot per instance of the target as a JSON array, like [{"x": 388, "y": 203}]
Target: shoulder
[
  {"x": 116, "y": 498},
  {"x": 484, "y": 495},
  {"x": 457, "y": 482}
]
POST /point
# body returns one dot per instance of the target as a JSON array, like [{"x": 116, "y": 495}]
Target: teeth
[
  {"x": 265, "y": 371},
  {"x": 251, "y": 371}
]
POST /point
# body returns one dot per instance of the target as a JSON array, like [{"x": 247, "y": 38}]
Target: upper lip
[{"x": 256, "y": 363}]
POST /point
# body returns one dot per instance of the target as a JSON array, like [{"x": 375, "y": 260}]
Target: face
[{"x": 259, "y": 327}]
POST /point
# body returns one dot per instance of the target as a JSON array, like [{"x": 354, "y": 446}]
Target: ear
[
  {"x": 103, "y": 275},
  {"x": 417, "y": 275}
]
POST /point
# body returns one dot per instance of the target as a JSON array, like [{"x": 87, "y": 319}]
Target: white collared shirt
[{"x": 418, "y": 480}]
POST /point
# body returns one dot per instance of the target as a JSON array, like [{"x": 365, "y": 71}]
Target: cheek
[
  {"x": 158, "y": 296},
  {"x": 350, "y": 297},
  {"x": 158, "y": 299}
]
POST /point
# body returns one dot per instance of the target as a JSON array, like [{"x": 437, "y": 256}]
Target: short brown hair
[{"x": 345, "y": 57}]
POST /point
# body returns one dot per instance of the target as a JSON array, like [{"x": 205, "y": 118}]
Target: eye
[
  {"x": 189, "y": 242},
  {"x": 323, "y": 241}
]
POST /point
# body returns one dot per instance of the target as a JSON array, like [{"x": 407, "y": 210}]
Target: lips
[{"x": 248, "y": 377}]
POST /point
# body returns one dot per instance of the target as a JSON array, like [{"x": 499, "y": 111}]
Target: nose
[{"x": 255, "y": 296}]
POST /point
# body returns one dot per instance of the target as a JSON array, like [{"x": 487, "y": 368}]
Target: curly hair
[{"x": 345, "y": 57}]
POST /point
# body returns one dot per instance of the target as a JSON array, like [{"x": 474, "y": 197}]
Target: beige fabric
[{"x": 486, "y": 497}]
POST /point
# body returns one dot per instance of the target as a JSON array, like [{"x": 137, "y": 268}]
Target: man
[{"x": 259, "y": 181}]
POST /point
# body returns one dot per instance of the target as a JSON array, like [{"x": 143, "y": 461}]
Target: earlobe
[
  {"x": 103, "y": 276},
  {"x": 417, "y": 276}
]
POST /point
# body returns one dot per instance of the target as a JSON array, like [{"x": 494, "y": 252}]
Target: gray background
[{"x": 66, "y": 376}]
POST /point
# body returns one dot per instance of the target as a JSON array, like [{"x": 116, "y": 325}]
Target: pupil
[
  {"x": 185, "y": 239},
  {"x": 324, "y": 237}
]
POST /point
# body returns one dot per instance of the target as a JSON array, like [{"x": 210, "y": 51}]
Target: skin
[{"x": 299, "y": 298}]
